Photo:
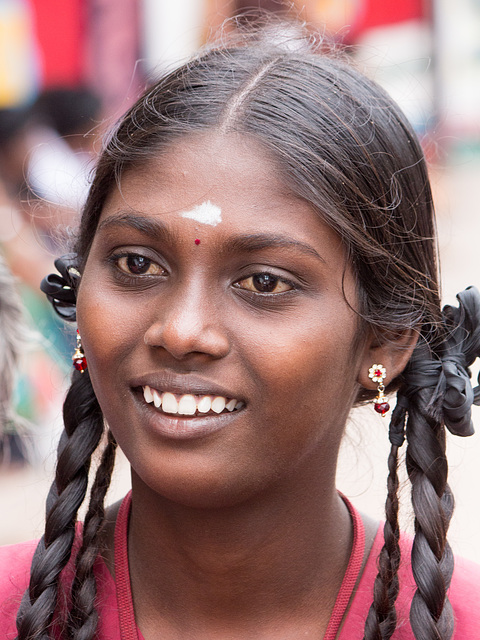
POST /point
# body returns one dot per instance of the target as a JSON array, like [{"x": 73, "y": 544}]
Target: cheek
[
  {"x": 106, "y": 334},
  {"x": 314, "y": 353},
  {"x": 308, "y": 370}
]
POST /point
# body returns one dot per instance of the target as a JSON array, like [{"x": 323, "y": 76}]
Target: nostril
[{"x": 182, "y": 337}]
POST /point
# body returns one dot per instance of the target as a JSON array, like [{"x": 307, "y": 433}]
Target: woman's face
[{"x": 206, "y": 279}]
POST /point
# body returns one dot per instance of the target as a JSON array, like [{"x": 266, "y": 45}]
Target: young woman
[{"x": 255, "y": 258}]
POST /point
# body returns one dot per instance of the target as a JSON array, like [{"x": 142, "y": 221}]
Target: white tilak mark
[{"x": 206, "y": 213}]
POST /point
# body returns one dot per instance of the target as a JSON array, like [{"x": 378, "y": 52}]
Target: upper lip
[{"x": 182, "y": 384}]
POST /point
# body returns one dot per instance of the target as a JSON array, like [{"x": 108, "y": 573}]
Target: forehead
[
  {"x": 231, "y": 171},
  {"x": 234, "y": 180},
  {"x": 194, "y": 167},
  {"x": 238, "y": 178}
]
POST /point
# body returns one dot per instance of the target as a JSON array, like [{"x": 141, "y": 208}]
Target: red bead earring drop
[
  {"x": 78, "y": 358},
  {"x": 378, "y": 373}
]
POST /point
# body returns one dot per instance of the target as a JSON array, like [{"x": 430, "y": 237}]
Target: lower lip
[{"x": 184, "y": 427}]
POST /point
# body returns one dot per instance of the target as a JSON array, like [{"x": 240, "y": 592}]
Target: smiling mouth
[{"x": 188, "y": 404}]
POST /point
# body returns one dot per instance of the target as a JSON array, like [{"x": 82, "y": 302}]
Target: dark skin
[{"x": 238, "y": 532}]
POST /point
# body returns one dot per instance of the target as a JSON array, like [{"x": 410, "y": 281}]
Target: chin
[{"x": 202, "y": 490}]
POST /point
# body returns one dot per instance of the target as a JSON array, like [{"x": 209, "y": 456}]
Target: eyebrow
[
  {"x": 145, "y": 224},
  {"x": 257, "y": 241},
  {"x": 248, "y": 243}
]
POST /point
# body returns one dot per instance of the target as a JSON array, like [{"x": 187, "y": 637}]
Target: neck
[{"x": 279, "y": 554}]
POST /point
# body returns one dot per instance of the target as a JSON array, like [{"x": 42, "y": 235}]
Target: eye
[
  {"x": 138, "y": 265},
  {"x": 264, "y": 283}
]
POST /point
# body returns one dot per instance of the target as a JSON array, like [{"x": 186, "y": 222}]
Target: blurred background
[{"x": 70, "y": 68}]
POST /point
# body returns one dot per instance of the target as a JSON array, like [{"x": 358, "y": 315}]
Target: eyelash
[
  {"x": 131, "y": 278},
  {"x": 266, "y": 294}
]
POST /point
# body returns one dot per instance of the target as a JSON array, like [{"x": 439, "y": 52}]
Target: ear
[{"x": 393, "y": 352}]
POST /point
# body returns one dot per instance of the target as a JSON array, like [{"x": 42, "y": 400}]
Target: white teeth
[
  {"x": 147, "y": 394},
  {"x": 231, "y": 405},
  {"x": 204, "y": 404},
  {"x": 157, "y": 400},
  {"x": 218, "y": 404},
  {"x": 169, "y": 403},
  {"x": 187, "y": 405}
]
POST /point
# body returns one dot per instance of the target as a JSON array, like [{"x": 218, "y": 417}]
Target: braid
[
  {"x": 432, "y": 560},
  {"x": 382, "y": 618},
  {"x": 436, "y": 393},
  {"x": 83, "y": 430},
  {"x": 83, "y": 616}
]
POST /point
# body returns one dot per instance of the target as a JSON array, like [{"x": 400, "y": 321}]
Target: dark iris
[
  {"x": 264, "y": 282},
  {"x": 138, "y": 264}
]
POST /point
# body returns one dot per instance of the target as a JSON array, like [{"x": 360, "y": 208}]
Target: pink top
[
  {"x": 464, "y": 592},
  {"x": 130, "y": 631}
]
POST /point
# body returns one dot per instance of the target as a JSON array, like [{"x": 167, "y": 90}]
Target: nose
[{"x": 187, "y": 323}]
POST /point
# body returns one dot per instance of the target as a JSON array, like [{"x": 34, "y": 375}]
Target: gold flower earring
[{"x": 378, "y": 373}]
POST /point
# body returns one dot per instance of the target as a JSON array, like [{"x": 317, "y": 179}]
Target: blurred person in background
[
  {"x": 61, "y": 156},
  {"x": 14, "y": 336},
  {"x": 43, "y": 182},
  {"x": 38, "y": 387},
  {"x": 46, "y": 150}
]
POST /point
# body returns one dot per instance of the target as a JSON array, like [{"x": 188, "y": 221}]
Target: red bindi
[{"x": 197, "y": 241}]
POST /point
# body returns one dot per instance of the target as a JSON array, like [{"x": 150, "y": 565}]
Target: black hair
[{"x": 346, "y": 148}]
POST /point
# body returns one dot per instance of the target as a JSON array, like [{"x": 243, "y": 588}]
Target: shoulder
[
  {"x": 464, "y": 594},
  {"x": 15, "y": 561}
]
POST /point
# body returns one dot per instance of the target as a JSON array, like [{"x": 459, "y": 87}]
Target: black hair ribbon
[
  {"x": 61, "y": 290},
  {"x": 449, "y": 373}
]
